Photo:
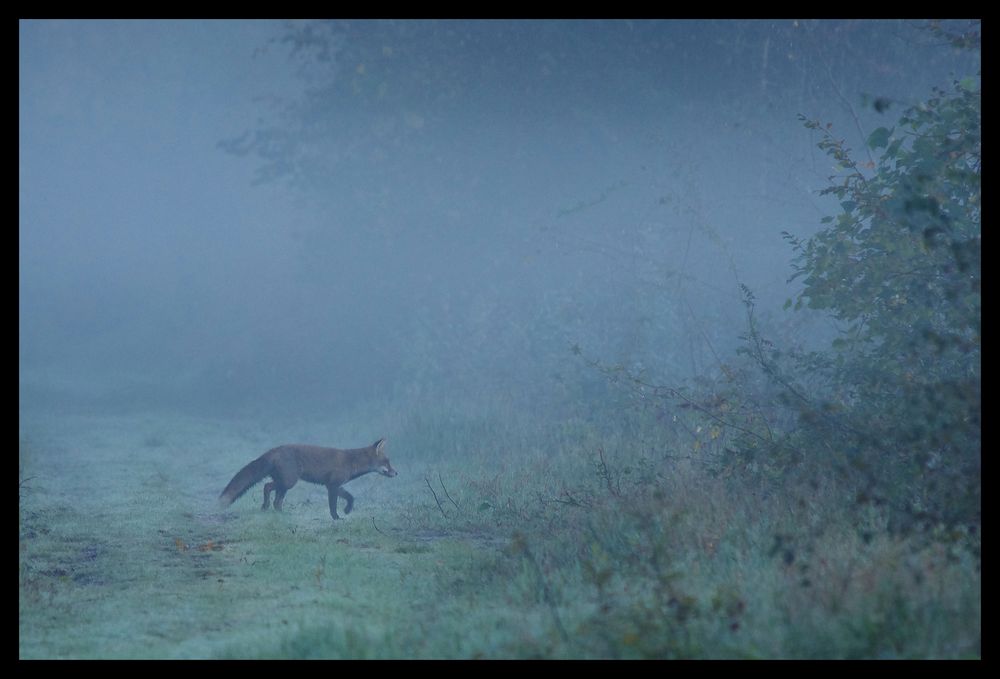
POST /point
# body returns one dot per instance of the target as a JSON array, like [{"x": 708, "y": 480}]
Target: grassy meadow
[{"x": 505, "y": 535}]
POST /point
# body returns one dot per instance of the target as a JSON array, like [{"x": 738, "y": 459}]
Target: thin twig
[
  {"x": 605, "y": 473},
  {"x": 446, "y": 493},
  {"x": 435, "y": 497},
  {"x": 850, "y": 109},
  {"x": 376, "y": 526},
  {"x": 570, "y": 500}
]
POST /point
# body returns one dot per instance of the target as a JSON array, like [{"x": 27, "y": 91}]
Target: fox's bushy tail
[{"x": 245, "y": 479}]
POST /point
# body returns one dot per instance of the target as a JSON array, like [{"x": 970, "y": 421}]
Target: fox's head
[{"x": 382, "y": 460}]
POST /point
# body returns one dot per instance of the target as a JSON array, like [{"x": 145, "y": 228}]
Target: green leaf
[
  {"x": 879, "y": 138},
  {"x": 968, "y": 83}
]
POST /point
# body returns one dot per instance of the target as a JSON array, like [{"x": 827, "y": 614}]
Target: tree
[{"x": 900, "y": 267}]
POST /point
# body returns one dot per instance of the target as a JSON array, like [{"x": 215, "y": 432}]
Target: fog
[
  {"x": 474, "y": 199},
  {"x": 546, "y": 267}
]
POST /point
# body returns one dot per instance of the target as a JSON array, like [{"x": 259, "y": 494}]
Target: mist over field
[{"x": 553, "y": 263}]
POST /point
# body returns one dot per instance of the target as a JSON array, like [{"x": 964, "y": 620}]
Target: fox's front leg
[
  {"x": 335, "y": 492},
  {"x": 332, "y": 492},
  {"x": 347, "y": 496}
]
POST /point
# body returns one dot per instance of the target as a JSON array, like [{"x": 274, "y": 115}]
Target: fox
[{"x": 330, "y": 467}]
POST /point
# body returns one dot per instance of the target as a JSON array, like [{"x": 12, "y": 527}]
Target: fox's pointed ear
[{"x": 379, "y": 445}]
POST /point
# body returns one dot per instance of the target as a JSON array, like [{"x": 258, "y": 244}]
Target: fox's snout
[{"x": 387, "y": 471}]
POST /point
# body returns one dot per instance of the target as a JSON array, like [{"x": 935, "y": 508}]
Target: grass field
[{"x": 505, "y": 535}]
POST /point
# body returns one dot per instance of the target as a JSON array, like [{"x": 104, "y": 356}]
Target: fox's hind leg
[
  {"x": 285, "y": 475},
  {"x": 279, "y": 497}
]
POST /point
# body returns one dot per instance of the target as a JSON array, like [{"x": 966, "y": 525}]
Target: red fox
[{"x": 330, "y": 467}]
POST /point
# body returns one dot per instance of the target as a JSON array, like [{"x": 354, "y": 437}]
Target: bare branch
[
  {"x": 446, "y": 493},
  {"x": 435, "y": 497}
]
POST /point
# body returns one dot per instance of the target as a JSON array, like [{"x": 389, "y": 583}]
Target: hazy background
[{"x": 418, "y": 208}]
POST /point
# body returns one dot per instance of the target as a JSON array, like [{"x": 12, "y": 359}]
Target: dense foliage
[{"x": 900, "y": 269}]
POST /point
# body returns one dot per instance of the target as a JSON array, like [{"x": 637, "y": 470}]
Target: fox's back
[{"x": 318, "y": 464}]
